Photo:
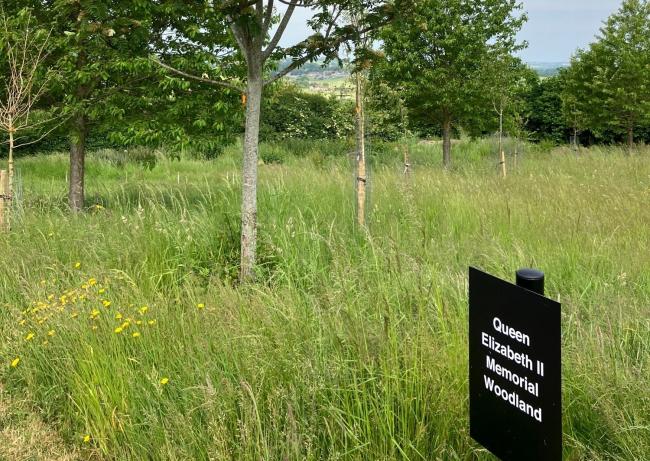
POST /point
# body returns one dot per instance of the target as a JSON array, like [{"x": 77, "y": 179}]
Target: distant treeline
[{"x": 423, "y": 81}]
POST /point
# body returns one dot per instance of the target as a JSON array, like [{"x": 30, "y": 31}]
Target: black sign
[{"x": 515, "y": 387}]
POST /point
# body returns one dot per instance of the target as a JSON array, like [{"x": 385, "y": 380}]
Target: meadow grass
[{"x": 135, "y": 343}]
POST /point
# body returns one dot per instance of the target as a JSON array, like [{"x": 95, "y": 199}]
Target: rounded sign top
[{"x": 531, "y": 279}]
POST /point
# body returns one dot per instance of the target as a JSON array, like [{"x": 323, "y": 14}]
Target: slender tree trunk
[
  {"x": 249, "y": 186},
  {"x": 9, "y": 189},
  {"x": 407, "y": 160},
  {"x": 77, "y": 160},
  {"x": 10, "y": 165},
  {"x": 362, "y": 177},
  {"x": 575, "y": 138},
  {"x": 630, "y": 137},
  {"x": 502, "y": 154},
  {"x": 446, "y": 142},
  {"x": 4, "y": 191}
]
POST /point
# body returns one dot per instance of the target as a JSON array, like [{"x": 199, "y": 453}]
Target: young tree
[
  {"x": 362, "y": 58},
  {"x": 255, "y": 28},
  {"x": 436, "y": 51},
  {"x": 98, "y": 43},
  {"x": 575, "y": 83},
  {"x": 95, "y": 44},
  {"x": 504, "y": 78},
  {"x": 24, "y": 47}
]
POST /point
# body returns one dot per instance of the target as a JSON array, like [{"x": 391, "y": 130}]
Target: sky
[{"x": 554, "y": 31}]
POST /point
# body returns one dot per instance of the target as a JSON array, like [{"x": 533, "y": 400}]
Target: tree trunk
[
  {"x": 502, "y": 154},
  {"x": 4, "y": 193},
  {"x": 249, "y": 185},
  {"x": 362, "y": 177},
  {"x": 446, "y": 142},
  {"x": 8, "y": 185},
  {"x": 407, "y": 161},
  {"x": 630, "y": 137},
  {"x": 77, "y": 160},
  {"x": 10, "y": 166}
]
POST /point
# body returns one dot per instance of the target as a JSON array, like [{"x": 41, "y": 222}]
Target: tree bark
[
  {"x": 76, "y": 195},
  {"x": 630, "y": 137},
  {"x": 407, "y": 161},
  {"x": 10, "y": 165},
  {"x": 362, "y": 177},
  {"x": 446, "y": 142},
  {"x": 249, "y": 186},
  {"x": 4, "y": 220}
]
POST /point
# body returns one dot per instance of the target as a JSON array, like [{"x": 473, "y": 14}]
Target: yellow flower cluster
[{"x": 88, "y": 306}]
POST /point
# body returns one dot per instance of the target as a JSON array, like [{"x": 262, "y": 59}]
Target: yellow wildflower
[
  {"x": 15, "y": 362},
  {"x": 50, "y": 297},
  {"x": 152, "y": 322},
  {"x": 22, "y": 322},
  {"x": 94, "y": 327},
  {"x": 94, "y": 314},
  {"x": 200, "y": 305},
  {"x": 92, "y": 282},
  {"x": 29, "y": 337},
  {"x": 50, "y": 333},
  {"x": 136, "y": 334},
  {"x": 77, "y": 265},
  {"x": 118, "y": 330},
  {"x": 84, "y": 286},
  {"x": 118, "y": 316},
  {"x": 144, "y": 309},
  {"x": 87, "y": 438},
  {"x": 106, "y": 303},
  {"x": 138, "y": 322},
  {"x": 164, "y": 381}
]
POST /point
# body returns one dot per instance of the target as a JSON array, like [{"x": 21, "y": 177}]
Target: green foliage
[
  {"x": 434, "y": 54},
  {"x": 273, "y": 153},
  {"x": 387, "y": 114},
  {"x": 506, "y": 81},
  {"x": 288, "y": 112},
  {"x": 608, "y": 85},
  {"x": 544, "y": 116}
]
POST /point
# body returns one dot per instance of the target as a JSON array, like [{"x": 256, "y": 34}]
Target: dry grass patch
[{"x": 24, "y": 437}]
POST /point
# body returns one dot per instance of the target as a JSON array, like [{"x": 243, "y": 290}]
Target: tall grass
[{"x": 353, "y": 343}]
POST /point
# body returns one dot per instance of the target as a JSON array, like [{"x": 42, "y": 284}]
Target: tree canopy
[
  {"x": 608, "y": 85},
  {"x": 438, "y": 53}
]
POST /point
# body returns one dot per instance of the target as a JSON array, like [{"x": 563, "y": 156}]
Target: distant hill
[
  {"x": 332, "y": 79},
  {"x": 547, "y": 69}
]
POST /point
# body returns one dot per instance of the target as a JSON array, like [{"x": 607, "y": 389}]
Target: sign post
[{"x": 515, "y": 380}]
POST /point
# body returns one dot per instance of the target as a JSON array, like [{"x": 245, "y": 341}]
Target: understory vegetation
[{"x": 124, "y": 330}]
